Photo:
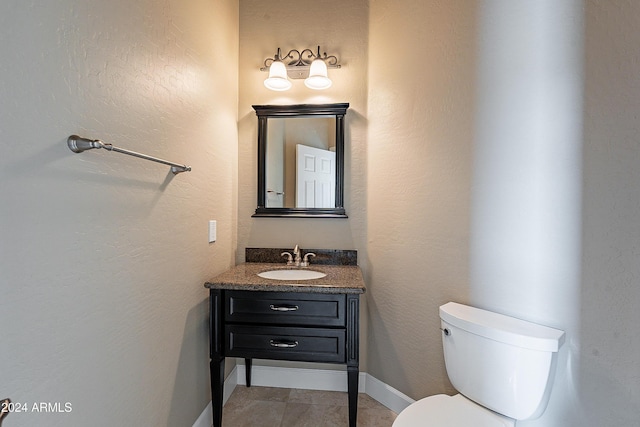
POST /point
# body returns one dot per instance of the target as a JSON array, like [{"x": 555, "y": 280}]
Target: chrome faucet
[{"x": 298, "y": 257}]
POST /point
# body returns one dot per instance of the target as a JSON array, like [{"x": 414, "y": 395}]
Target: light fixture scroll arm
[
  {"x": 269, "y": 61},
  {"x": 330, "y": 60},
  {"x": 295, "y": 58},
  {"x": 293, "y": 54}
]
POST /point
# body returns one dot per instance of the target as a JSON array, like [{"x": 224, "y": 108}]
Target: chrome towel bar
[{"x": 78, "y": 144}]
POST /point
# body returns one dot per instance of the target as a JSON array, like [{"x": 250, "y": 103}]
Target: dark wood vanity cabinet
[{"x": 299, "y": 326}]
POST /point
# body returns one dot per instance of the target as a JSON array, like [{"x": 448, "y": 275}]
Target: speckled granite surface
[{"x": 339, "y": 279}]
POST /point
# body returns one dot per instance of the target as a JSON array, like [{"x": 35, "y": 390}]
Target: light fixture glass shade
[
  {"x": 318, "y": 76},
  {"x": 277, "y": 79}
]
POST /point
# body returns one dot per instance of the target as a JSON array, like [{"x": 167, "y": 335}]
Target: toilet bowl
[
  {"x": 484, "y": 352},
  {"x": 442, "y": 410}
]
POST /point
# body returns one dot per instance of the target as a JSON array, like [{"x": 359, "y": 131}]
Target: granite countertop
[{"x": 339, "y": 279}]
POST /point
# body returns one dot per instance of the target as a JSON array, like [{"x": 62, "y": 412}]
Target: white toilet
[{"x": 503, "y": 368}]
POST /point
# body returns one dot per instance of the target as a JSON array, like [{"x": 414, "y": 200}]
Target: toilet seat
[{"x": 442, "y": 410}]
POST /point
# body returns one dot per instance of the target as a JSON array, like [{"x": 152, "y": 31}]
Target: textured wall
[
  {"x": 610, "y": 296},
  {"x": 530, "y": 89},
  {"x": 339, "y": 28},
  {"x": 420, "y": 115},
  {"x": 104, "y": 256},
  {"x": 85, "y": 238}
]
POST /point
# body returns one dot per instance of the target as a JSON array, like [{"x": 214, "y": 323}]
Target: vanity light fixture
[
  {"x": 318, "y": 78},
  {"x": 299, "y": 65},
  {"x": 277, "y": 79}
]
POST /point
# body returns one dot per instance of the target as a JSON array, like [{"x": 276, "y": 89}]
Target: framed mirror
[{"x": 301, "y": 160}]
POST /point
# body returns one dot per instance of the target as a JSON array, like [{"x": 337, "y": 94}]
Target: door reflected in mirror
[{"x": 301, "y": 160}]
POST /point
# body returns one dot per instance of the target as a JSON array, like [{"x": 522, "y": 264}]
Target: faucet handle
[
  {"x": 305, "y": 261},
  {"x": 289, "y": 257}
]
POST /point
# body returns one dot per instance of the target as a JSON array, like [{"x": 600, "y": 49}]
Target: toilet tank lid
[{"x": 499, "y": 327}]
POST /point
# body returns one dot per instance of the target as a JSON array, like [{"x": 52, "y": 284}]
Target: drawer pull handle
[
  {"x": 283, "y": 307},
  {"x": 283, "y": 344}
]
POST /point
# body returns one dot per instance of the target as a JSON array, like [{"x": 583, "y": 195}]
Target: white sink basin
[{"x": 291, "y": 274}]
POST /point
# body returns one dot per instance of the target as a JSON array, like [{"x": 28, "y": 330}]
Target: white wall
[
  {"x": 103, "y": 256},
  {"x": 525, "y": 234},
  {"x": 557, "y": 193}
]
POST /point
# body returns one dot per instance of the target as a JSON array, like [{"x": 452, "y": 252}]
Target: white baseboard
[
  {"x": 230, "y": 383},
  {"x": 204, "y": 420},
  {"x": 387, "y": 395},
  {"x": 308, "y": 379}
]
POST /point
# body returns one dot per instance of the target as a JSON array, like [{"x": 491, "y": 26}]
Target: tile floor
[{"x": 285, "y": 407}]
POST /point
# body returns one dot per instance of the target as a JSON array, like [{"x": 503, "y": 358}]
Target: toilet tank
[{"x": 502, "y": 363}]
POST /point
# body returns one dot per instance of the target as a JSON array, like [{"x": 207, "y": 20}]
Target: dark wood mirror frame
[{"x": 264, "y": 112}]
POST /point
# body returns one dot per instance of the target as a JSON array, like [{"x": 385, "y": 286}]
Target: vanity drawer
[
  {"x": 285, "y": 308},
  {"x": 285, "y": 343}
]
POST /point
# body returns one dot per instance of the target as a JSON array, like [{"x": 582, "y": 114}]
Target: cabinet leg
[
  {"x": 352, "y": 387},
  {"x": 216, "y": 368},
  {"x": 247, "y": 371}
]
